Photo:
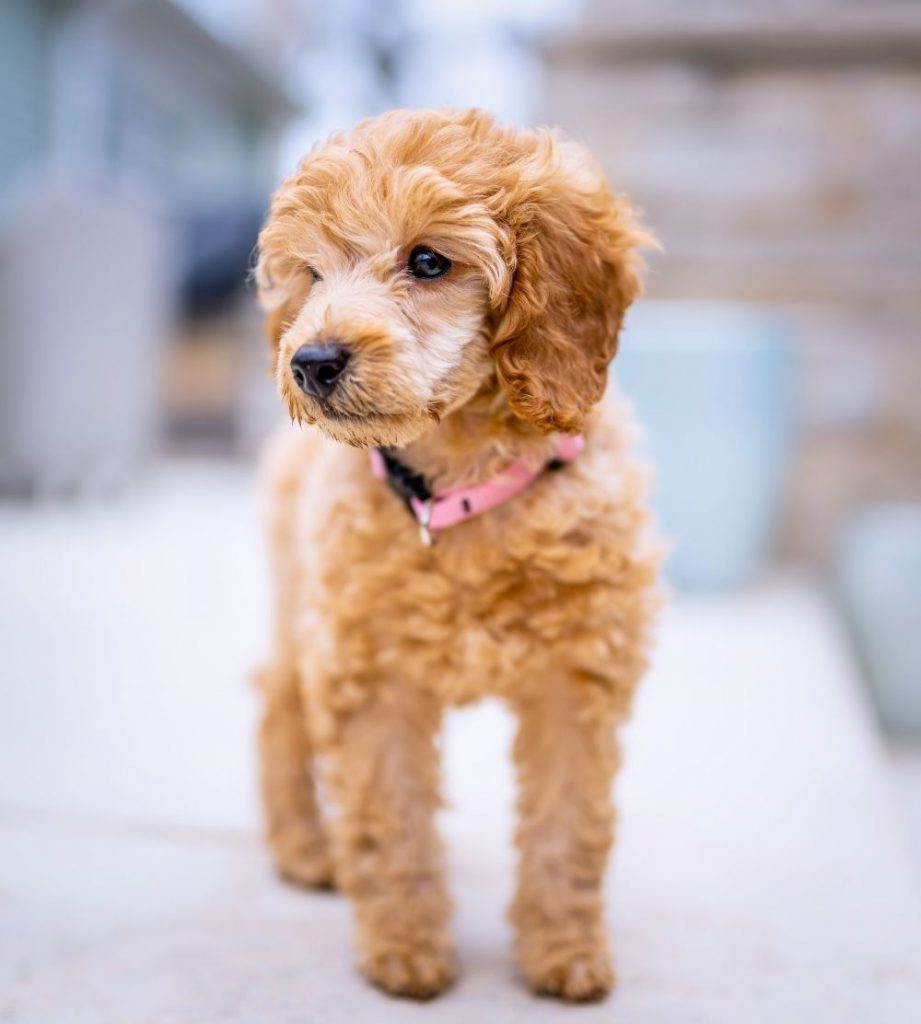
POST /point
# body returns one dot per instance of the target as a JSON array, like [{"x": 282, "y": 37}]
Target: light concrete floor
[
  {"x": 905, "y": 760},
  {"x": 761, "y": 875}
]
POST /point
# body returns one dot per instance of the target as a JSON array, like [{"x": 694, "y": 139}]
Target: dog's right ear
[{"x": 281, "y": 296}]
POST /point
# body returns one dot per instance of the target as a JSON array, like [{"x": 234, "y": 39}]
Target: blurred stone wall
[{"x": 776, "y": 152}]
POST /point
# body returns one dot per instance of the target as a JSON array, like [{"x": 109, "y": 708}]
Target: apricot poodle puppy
[{"x": 443, "y": 297}]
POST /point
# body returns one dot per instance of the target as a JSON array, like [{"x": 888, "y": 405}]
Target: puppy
[{"x": 443, "y": 298}]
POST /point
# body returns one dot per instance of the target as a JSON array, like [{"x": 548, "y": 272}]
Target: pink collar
[{"x": 441, "y": 511}]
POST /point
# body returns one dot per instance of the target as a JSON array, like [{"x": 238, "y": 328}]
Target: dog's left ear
[{"x": 576, "y": 272}]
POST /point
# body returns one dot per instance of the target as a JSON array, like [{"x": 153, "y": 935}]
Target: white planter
[{"x": 84, "y": 289}]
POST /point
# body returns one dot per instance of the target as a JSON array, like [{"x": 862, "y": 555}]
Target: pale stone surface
[
  {"x": 906, "y": 775},
  {"x": 760, "y": 876}
]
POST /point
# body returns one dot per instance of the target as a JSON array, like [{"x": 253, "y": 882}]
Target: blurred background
[{"x": 773, "y": 147}]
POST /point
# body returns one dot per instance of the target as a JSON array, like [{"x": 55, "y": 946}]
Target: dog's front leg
[
  {"x": 566, "y": 755},
  {"x": 385, "y": 780}
]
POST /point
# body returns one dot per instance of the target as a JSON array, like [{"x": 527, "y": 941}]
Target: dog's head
[{"x": 423, "y": 257}]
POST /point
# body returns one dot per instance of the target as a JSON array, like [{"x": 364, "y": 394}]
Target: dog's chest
[
  {"x": 463, "y": 618},
  {"x": 493, "y": 601}
]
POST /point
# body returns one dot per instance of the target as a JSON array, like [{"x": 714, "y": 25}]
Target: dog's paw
[
  {"x": 304, "y": 861},
  {"x": 413, "y": 974},
  {"x": 581, "y": 978}
]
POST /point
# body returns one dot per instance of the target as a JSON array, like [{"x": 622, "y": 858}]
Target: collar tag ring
[{"x": 424, "y": 516}]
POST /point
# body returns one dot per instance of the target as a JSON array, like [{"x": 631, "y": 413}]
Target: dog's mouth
[
  {"x": 365, "y": 428},
  {"x": 343, "y": 415},
  {"x": 353, "y": 415},
  {"x": 346, "y": 407}
]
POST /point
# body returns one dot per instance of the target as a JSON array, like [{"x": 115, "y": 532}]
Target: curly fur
[{"x": 545, "y": 602}]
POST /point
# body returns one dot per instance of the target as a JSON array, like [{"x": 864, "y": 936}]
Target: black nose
[{"x": 317, "y": 368}]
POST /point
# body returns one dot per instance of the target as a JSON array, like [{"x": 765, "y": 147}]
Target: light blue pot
[
  {"x": 711, "y": 385},
  {"x": 878, "y": 582}
]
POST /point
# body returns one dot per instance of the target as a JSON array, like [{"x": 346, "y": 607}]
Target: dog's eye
[
  {"x": 426, "y": 263},
  {"x": 314, "y": 273}
]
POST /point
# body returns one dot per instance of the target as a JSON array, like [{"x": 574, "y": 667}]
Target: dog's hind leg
[{"x": 294, "y": 827}]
